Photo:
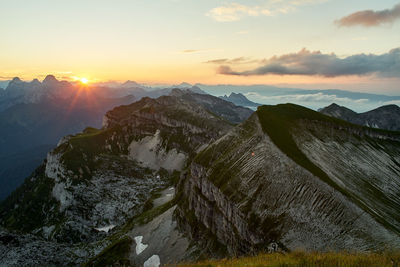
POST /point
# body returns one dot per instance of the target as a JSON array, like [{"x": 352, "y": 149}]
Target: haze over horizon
[{"x": 286, "y": 43}]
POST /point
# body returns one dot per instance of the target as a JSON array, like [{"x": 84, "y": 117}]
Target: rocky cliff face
[
  {"x": 385, "y": 117},
  {"x": 97, "y": 180},
  {"x": 285, "y": 178}
]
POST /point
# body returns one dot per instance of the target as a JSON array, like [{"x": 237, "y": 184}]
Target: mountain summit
[
  {"x": 240, "y": 100},
  {"x": 50, "y": 79}
]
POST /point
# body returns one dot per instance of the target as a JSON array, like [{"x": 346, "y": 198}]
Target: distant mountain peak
[
  {"x": 16, "y": 79},
  {"x": 130, "y": 83},
  {"x": 334, "y": 105},
  {"x": 35, "y": 82},
  {"x": 50, "y": 79},
  {"x": 385, "y": 117},
  {"x": 240, "y": 100},
  {"x": 14, "y": 83},
  {"x": 238, "y": 95},
  {"x": 185, "y": 84}
]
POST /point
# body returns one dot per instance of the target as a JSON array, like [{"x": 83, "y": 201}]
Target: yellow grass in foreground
[{"x": 305, "y": 259}]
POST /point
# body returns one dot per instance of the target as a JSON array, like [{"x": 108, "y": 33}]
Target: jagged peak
[
  {"x": 49, "y": 79},
  {"x": 236, "y": 94},
  {"x": 335, "y": 107},
  {"x": 35, "y": 82},
  {"x": 130, "y": 83},
  {"x": 16, "y": 79}
]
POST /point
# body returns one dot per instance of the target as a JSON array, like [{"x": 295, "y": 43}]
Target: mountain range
[
  {"x": 188, "y": 176},
  {"x": 35, "y": 115},
  {"x": 385, "y": 117}
]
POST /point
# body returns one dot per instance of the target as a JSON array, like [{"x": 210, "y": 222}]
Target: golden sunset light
[
  {"x": 200, "y": 133},
  {"x": 84, "y": 80}
]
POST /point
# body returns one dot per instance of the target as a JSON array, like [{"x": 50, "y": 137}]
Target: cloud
[
  {"x": 370, "y": 18},
  {"x": 307, "y": 98},
  {"x": 6, "y": 77},
  {"x": 195, "y": 51},
  {"x": 327, "y": 65},
  {"x": 190, "y": 51},
  {"x": 234, "y": 61},
  {"x": 392, "y": 102},
  {"x": 235, "y": 11}
]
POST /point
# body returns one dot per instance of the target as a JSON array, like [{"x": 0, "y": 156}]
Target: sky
[{"x": 343, "y": 44}]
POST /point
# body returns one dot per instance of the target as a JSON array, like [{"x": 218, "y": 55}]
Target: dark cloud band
[
  {"x": 370, "y": 18},
  {"x": 328, "y": 65}
]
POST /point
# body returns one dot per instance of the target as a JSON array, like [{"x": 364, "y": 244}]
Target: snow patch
[
  {"x": 149, "y": 153},
  {"x": 153, "y": 261},
  {"x": 105, "y": 228},
  {"x": 140, "y": 247}
]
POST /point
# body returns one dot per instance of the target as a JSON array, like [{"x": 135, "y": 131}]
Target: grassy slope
[
  {"x": 305, "y": 259},
  {"x": 281, "y": 121}
]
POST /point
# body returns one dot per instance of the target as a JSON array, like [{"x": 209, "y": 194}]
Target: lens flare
[{"x": 82, "y": 80}]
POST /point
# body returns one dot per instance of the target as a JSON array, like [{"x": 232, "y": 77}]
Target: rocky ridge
[{"x": 264, "y": 185}]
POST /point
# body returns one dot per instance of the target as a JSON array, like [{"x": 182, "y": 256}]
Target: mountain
[
  {"x": 310, "y": 98},
  {"x": 21, "y": 92},
  {"x": 385, "y": 117},
  {"x": 291, "y": 178},
  {"x": 34, "y": 115},
  {"x": 239, "y": 100},
  {"x": 107, "y": 178},
  {"x": 225, "y": 109},
  {"x": 183, "y": 85},
  {"x": 3, "y": 84},
  {"x": 177, "y": 179}
]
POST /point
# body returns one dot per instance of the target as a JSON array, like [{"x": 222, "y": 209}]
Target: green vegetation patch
[
  {"x": 116, "y": 254},
  {"x": 304, "y": 259},
  {"x": 279, "y": 121},
  {"x": 148, "y": 215},
  {"x": 80, "y": 152}
]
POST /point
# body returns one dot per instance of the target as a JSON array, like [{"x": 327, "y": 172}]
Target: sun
[{"x": 84, "y": 80}]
